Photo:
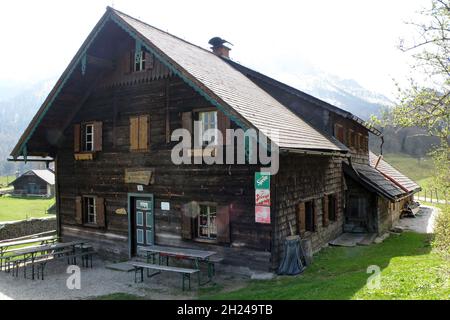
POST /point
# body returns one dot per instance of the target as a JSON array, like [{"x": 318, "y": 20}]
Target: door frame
[{"x": 130, "y": 197}]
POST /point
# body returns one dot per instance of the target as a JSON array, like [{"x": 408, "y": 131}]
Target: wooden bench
[{"x": 140, "y": 266}]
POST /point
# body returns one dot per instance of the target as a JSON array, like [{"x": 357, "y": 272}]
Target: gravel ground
[
  {"x": 423, "y": 222},
  {"x": 99, "y": 281}
]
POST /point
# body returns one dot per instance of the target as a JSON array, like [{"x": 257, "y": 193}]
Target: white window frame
[
  {"x": 140, "y": 66},
  {"x": 209, "y": 122},
  {"x": 88, "y": 137},
  {"x": 90, "y": 209},
  {"x": 211, "y": 226}
]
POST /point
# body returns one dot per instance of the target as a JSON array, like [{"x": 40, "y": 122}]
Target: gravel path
[
  {"x": 100, "y": 281},
  {"x": 97, "y": 281},
  {"x": 423, "y": 222}
]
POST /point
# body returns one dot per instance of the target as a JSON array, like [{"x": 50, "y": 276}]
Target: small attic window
[{"x": 139, "y": 61}]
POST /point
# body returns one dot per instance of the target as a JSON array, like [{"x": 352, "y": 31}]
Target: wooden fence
[{"x": 433, "y": 196}]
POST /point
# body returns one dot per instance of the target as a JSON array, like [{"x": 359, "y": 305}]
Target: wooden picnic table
[
  {"x": 5, "y": 245},
  {"x": 196, "y": 255},
  {"x": 31, "y": 254}
]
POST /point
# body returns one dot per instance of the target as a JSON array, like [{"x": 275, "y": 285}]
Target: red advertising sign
[
  {"x": 262, "y": 197},
  {"x": 262, "y": 214}
]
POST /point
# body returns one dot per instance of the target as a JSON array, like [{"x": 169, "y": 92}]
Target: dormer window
[{"x": 139, "y": 61}]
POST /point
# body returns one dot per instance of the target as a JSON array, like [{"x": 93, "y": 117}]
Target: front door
[
  {"x": 32, "y": 188},
  {"x": 143, "y": 222}
]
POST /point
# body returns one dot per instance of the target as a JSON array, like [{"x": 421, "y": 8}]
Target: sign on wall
[
  {"x": 262, "y": 197},
  {"x": 262, "y": 180},
  {"x": 262, "y": 214}
]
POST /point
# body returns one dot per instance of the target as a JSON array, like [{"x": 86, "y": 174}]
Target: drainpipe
[{"x": 381, "y": 145}]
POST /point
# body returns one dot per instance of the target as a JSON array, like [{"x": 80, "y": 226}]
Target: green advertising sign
[{"x": 262, "y": 180}]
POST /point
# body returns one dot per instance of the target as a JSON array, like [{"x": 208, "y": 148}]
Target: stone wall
[{"x": 11, "y": 230}]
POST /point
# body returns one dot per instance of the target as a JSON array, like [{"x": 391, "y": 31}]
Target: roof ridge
[{"x": 160, "y": 30}]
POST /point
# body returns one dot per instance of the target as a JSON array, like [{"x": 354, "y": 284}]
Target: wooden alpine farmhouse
[
  {"x": 35, "y": 183},
  {"x": 108, "y": 123}
]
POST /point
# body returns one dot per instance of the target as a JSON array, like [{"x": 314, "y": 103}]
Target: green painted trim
[
  {"x": 83, "y": 64},
  {"x": 69, "y": 73},
  {"x": 179, "y": 74}
]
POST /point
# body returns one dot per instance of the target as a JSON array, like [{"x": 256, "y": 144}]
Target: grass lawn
[
  {"x": 12, "y": 209},
  {"x": 419, "y": 171},
  {"x": 4, "y": 180},
  {"x": 409, "y": 270}
]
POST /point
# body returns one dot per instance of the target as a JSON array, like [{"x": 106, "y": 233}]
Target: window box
[{"x": 84, "y": 156}]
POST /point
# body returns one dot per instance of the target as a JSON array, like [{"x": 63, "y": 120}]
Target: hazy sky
[{"x": 349, "y": 38}]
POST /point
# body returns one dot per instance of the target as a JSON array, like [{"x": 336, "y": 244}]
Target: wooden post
[{"x": 437, "y": 197}]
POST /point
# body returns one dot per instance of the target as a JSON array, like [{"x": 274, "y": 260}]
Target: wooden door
[{"x": 143, "y": 222}]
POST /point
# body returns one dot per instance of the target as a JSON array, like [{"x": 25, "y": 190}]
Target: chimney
[{"x": 219, "y": 48}]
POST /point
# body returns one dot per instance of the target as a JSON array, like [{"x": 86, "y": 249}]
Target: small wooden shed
[{"x": 35, "y": 183}]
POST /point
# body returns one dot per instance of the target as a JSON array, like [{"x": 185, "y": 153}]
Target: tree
[{"x": 426, "y": 104}]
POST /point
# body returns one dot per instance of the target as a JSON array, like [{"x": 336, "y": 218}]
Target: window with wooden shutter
[
  {"x": 139, "y": 133},
  {"x": 310, "y": 216},
  {"x": 100, "y": 211},
  {"x": 78, "y": 211},
  {"x": 301, "y": 225},
  {"x": 331, "y": 207},
  {"x": 325, "y": 211},
  {"x": 187, "y": 212},
  {"x": 76, "y": 137},
  {"x": 339, "y": 132},
  {"x": 98, "y": 136},
  {"x": 223, "y": 224},
  {"x": 223, "y": 124}
]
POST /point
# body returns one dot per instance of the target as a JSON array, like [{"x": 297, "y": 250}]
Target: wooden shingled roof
[
  {"x": 224, "y": 86},
  {"x": 232, "y": 89},
  {"x": 392, "y": 174}
]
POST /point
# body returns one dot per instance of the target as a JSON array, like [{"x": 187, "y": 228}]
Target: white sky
[{"x": 349, "y": 38}]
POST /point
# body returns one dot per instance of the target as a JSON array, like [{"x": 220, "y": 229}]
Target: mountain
[
  {"x": 346, "y": 94},
  {"x": 18, "y": 105}
]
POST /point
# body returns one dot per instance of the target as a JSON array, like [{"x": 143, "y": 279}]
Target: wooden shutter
[
  {"x": 143, "y": 132},
  {"x": 316, "y": 214},
  {"x": 186, "y": 119},
  {"x": 186, "y": 221},
  {"x": 223, "y": 224},
  {"x": 76, "y": 137},
  {"x": 134, "y": 133},
  {"x": 98, "y": 136},
  {"x": 336, "y": 205},
  {"x": 223, "y": 123},
  {"x": 100, "y": 211},
  {"x": 301, "y": 217},
  {"x": 325, "y": 211},
  {"x": 78, "y": 211},
  {"x": 127, "y": 59}
]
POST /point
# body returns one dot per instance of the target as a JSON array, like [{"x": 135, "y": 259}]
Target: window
[
  {"x": 206, "y": 222},
  {"x": 309, "y": 216},
  {"x": 331, "y": 207},
  {"x": 90, "y": 216},
  {"x": 208, "y": 121},
  {"x": 339, "y": 132},
  {"x": 139, "y": 133},
  {"x": 88, "y": 137},
  {"x": 139, "y": 61}
]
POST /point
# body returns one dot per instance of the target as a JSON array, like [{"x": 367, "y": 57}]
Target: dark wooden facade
[{"x": 131, "y": 115}]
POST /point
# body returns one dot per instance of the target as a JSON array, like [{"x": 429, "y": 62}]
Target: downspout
[{"x": 381, "y": 145}]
